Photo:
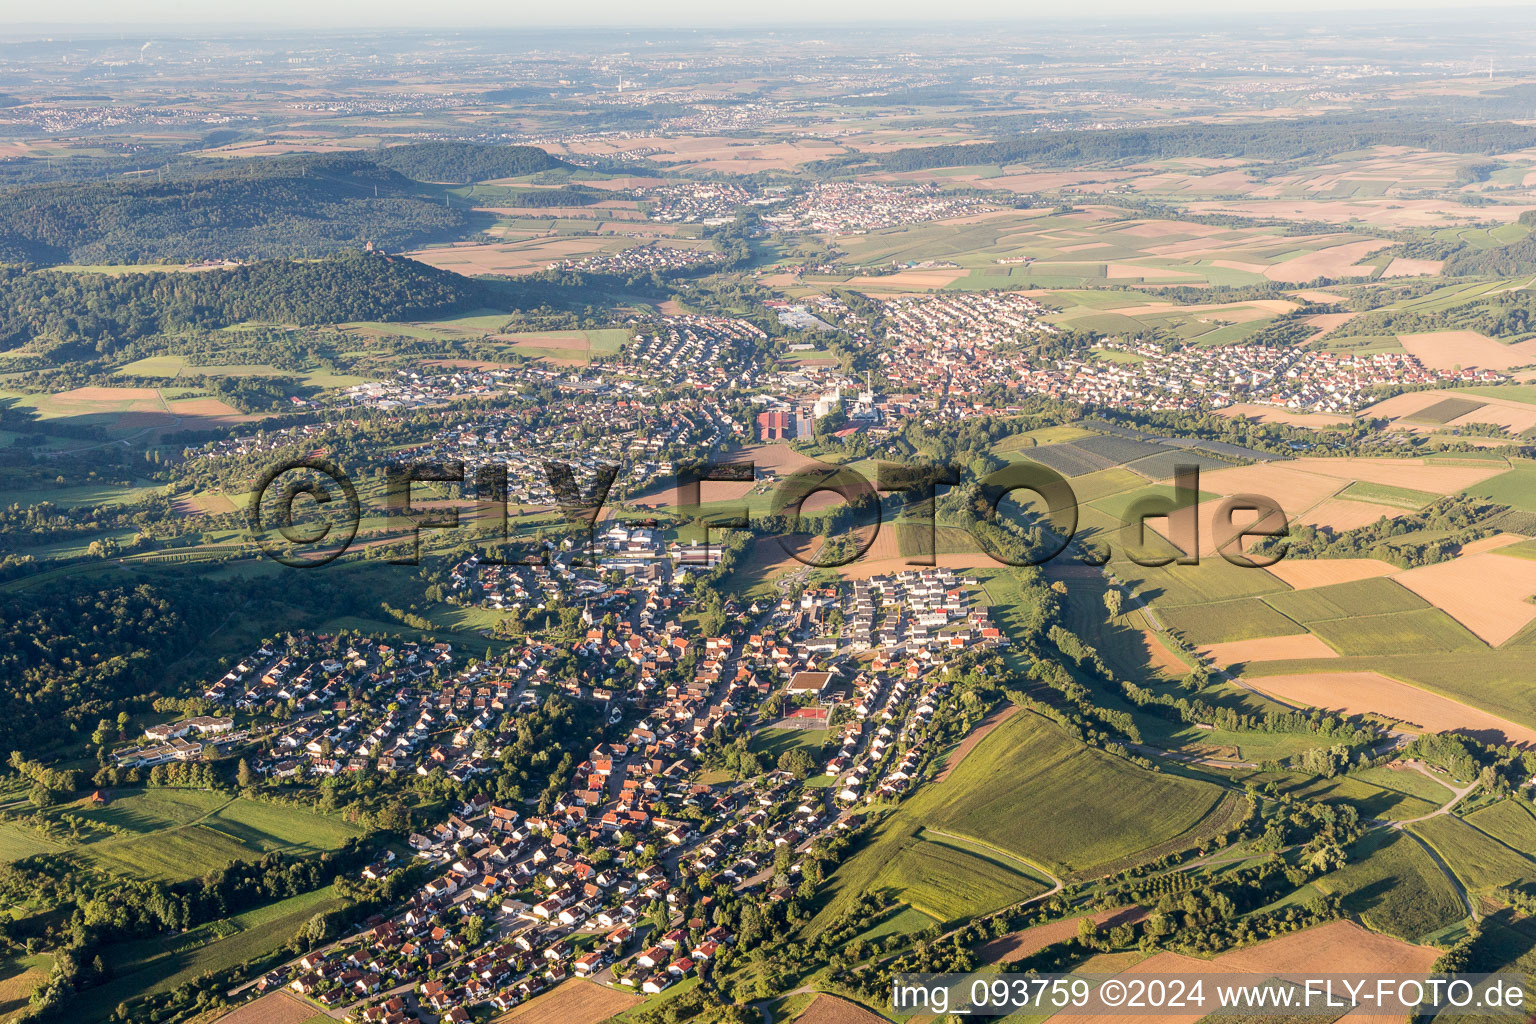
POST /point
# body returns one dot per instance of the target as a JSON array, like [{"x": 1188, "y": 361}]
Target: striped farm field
[
  {"x": 1222, "y": 622},
  {"x": 1427, "y": 629},
  {"x": 1372, "y": 596}
]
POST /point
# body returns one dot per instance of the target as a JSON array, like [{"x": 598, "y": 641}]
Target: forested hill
[
  {"x": 462, "y": 162},
  {"x": 72, "y": 313},
  {"x": 249, "y": 209},
  {"x": 1312, "y": 138},
  {"x": 1510, "y": 260}
]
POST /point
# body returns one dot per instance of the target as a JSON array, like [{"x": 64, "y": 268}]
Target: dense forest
[
  {"x": 72, "y": 652},
  {"x": 249, "y": 209},
  {"x": 1503, "y": 315},
  {"x": 1312, "y": 138},
  {"x": 459, "y": 163},
  {"x": 82, "y": 314},
  {"x": 1502, "y": 261}
]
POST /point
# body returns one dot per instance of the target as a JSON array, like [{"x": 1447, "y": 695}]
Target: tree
[
  {"x": 797, "y": 762},
  {"x": 1113, "y": 599},
  {"x": 244, "y": 776},
  {"x": 474, "y": 931}
]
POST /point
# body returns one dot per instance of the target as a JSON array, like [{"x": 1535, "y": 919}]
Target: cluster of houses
[
  {"x": 854, "y": 207},
  {"x": 597, "y": 884},
  {"x": 588, "y": 436},
  {"x": 695, "y": 202},
  {"x": 249, "y": 444},
  {"x": 1146, "y": 376},
  {"x": 699, "y": 351},
  {"x": 642, "y": 259}
]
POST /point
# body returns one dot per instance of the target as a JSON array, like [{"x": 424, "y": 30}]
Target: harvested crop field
[
  {"x": 1335, "y": 946},
  {"x": 1307, "y": 573},
  {"x": 780, "y": 458},
  {"x": 1341, "y": 946},
  {"x": 1284, "y": 483},
  {"x": 1273, "y": 414},
  {"x": 572, "y": 1002},
  {"x": 274, "y": 1008},
  {"x": 1273, "y": 648},
  {"x": 907, "y": 280},
  {"x": 1159, "y": 656},
  {"x": 1493, "y": 543},
  {"x": 18, "y": 980},
  {"x": 827, "y": 1009},
  {"x": 1415, "y": 474},
  {"x": 1020, "y": 944},
  {"x": 527, "y": 256},
  {"x": 1428, "y": 410},
  {"x": 1446, "y": 350},
  {"x": 1340, "y": 514},
  {"x": 1334, "y": 261},
  {"x": 1487, "y": 592},
  {"x": 1362, "y": 693}
]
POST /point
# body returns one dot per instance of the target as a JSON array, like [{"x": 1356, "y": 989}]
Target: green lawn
[{"x": 771, "y": 743}]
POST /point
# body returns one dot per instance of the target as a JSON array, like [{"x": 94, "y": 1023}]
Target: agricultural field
[
  {"x": 948, "y": 880},
  {"x": 185, "y": 833},
  {"x": 1481, "y": 862},
  {"x": 1396, "y": 888},
  {"x": 160, "y": 964},
  {"x": 983, "y": 825},
  {"x": 577, "y": 1001},
  {"x": 18, "y": 979},
  {"x": 1383, "y": 798},
  {"x": 273, "y": 1008},
  {"x": 1228, "y": 621},
  {"x": 1084, "y": 250},
  {"x": 1098, "y": 791},
  {"x": 572, "y": 347},
  {"x": 1511, "y": 822}
]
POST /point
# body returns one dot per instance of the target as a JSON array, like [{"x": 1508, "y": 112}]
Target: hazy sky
[{"x": 109, "y": 14}]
